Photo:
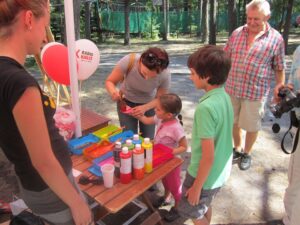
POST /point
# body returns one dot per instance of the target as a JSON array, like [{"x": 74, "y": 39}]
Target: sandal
[{"x": 172, "y": 215}]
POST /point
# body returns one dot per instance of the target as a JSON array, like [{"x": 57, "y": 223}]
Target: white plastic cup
[{"x": 108, "y": 175}]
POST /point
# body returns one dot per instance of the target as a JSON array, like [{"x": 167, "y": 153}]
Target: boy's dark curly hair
[{"x": 211, "y": 61}]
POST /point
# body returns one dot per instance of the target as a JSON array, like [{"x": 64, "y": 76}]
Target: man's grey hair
[{"x": 262, "y": 6}]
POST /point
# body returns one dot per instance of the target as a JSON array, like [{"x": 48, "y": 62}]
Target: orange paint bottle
[{"x": 138, "y": 162}]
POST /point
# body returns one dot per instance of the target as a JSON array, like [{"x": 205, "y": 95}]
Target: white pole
[{"x": 70, "y": 31}]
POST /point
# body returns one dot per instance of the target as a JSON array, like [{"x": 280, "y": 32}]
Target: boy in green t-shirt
[{"x": 211, "y": 157}]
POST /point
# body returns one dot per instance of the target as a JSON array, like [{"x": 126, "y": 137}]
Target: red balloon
[{"x": 55, "y": 63}]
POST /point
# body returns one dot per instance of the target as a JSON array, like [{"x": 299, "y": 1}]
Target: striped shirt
[{"x": 252, "y": 70}]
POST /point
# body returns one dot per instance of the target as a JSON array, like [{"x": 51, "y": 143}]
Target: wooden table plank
[
  {"x": 91, "y": 121},
  {"x": 114, "y": 199},
  {"x": 115, "y": 204},
  {"x": 77, "y": 159},
  {"x": 114, "y": 192}
]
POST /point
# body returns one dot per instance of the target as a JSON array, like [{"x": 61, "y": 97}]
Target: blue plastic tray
[
  {"x": 78, "y": 144},
  {"x": 95, "y": 169},
  {"x": 122, "y": 137}
]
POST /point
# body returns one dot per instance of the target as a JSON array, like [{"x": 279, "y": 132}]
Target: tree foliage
[{"x": 191, "y": 17}]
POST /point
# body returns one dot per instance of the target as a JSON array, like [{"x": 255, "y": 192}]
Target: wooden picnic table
[
  {"x": 111, "y": 200},
  {"x": 91, "y": 121}
]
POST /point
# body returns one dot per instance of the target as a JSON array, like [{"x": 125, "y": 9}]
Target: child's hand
[
  {"x": 193, "y": 195},
  {"x": 138, "y": 111}
]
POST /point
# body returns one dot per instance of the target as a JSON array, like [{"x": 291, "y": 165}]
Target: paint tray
[
  {"x": 106, "y": 132},
  {"x": 97, "y": 150},
  {"x": 77, "y": 145},
  {"x": 98, "y": 162},
  {"x": 161, "y": 154},
  {"x": 122, "y": 137}
]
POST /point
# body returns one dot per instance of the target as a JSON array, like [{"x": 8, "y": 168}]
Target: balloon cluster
[{"x": 54, "y": 58}]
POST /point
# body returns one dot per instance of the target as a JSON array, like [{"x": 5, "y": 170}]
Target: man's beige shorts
[{"x": 248, "y": 114}]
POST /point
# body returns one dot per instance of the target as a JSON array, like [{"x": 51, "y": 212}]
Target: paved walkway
[{"x": 249, "y": 197}]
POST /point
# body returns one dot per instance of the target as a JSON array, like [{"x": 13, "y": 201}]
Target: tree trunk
[
  {"x": 185, "y": 5},
  {"x": 138, "y": 20},
  {"x": 232, "y": 16},
  {"x": 165, "y": 12},
  {"x": 240, "y": 13},
  {"x": 244, "y": 18},
  {"x": 190, "y": 19},
  {"x": 287, "y": 23},
  {"x": 62, "y": 21},
  {"x": 98, "y": 23},
  {"x": 280, "y": 24},
  {"x": 77, "y": 18},
  {"x": 199, "y": 22},
  {"x": 168, "y": 18},
  {"x": 87, "y": 12},
  {"x": 212, "y": 22},
  {"x": 127, "y": 25},
  {"x": 204, "y": 22}
]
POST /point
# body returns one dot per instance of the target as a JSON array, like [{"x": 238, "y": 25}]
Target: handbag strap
[
  {"x": 295, "y": 141},
  {"x": 131, "y": 62}
]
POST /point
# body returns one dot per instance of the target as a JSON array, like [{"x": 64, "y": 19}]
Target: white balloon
[
  {"x": 88, "y": 58},
  {"x": 48, "y": 45}
]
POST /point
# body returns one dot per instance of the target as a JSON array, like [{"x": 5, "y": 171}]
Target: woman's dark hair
[
  {"x": 211, "y": 61},
  {"x": 171, "y": 103},
  {"x": 155, "y": 59}
]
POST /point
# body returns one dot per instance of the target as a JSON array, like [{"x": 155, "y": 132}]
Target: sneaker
[
  {"x": 245, "y": 162},
  {"x": 171, "y": 215},
  {"x": 160, "y": 202},
  {"x": 236, "y": 156}
]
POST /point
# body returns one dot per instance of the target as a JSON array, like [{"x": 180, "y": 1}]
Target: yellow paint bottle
[{"x": 148, "y": 147}]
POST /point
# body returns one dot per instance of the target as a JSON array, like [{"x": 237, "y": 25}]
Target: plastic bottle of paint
[
  {"x": 129, "y": 144},
  {"x": 148, "y": 147},
  {"x": 116, "y": 152},
  {"x": 136, "y": 139},
  {"x": 138, "y": 162},
  {"x": 126, "y": 166}
]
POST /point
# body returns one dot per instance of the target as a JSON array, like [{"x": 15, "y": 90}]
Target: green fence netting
[
  {"x": 179, "y": 22},
  {"x": 182, "y": 22}
]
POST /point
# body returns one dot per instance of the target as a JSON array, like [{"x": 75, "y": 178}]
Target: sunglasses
[{"x": 155, "y": 61}]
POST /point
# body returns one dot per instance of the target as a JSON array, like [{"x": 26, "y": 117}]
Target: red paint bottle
[{"x": 126, "y": 166}]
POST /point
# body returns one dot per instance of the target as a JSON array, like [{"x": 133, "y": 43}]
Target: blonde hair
[
  {"x": 262, "y": 6},
  {"x": 9, "y": 10}
]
